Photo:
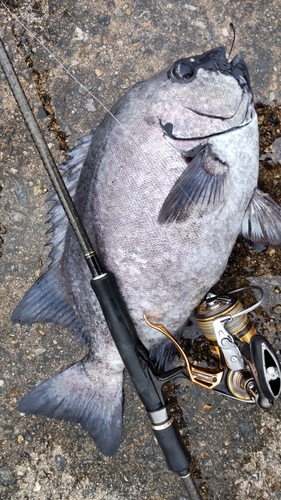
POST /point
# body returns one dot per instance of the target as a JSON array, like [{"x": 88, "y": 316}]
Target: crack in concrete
[{"x": 40, "y": 85}]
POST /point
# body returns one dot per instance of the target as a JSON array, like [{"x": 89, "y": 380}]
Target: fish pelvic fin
[
  {"x": 163, "y": 355},
  {"x": 262, "y": 220},
  {"x": 82, "y": 395},
  {"x": 201, "y": 185}
]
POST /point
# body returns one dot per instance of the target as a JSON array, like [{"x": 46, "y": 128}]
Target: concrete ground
[{"x": 110, "y": 45}]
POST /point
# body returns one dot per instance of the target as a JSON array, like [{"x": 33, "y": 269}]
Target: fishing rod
[{"x": 134, "y": 354}]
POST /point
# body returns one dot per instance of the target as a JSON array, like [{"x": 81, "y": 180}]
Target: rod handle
[{"x": 124, "y": 334}]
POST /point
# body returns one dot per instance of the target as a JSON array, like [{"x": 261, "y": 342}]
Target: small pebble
[
  {"x": 246, "y": 428},
  {"x": 24, "y": 454},
  {"x": 189, "y": 6},
  {"x": 21, "y": 194},
  {"x": 21, "y": 470},
  {"x": 39, "y": 351},
  {"x": 89, "y": 493},
  {"x": 208, "y": 463},
  {"x": 235, "y": 465},
  {"x": 17, "y": 217},
  {"x": 79, "y": 35},
  {"x": 83, "y": 90},
  {"x": 61, "y": 462},
  {"x": 37, "y": 487},
  {"x": 277, "y": 309},
  {"x": 6, "y": 476},
  {"x": 238, "y": 481},
  {"x": 27, "y": 436}
]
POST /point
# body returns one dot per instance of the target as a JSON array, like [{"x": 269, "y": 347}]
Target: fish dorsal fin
[
  {"x": 44, "y": 301},
  {"x": 201, "y": 185},
  {"x": 262, "y": 220},
  {"x": 72, "y": 168}
]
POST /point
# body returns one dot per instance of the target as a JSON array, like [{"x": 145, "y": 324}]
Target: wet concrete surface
[{"x": 109, "y": 46}]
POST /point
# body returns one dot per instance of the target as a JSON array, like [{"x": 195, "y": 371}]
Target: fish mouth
[
  {"x": 219, "y": 95},
  {"x": 185, "y": 70}
]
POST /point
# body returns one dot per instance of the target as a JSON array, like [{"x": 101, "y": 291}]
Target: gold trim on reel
[
  {"x": 237, "y": 383},
  {"x": 207, "y": 378},
  {"x": 248, "y": 369}
]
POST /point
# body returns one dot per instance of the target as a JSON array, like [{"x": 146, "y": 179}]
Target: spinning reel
[{"x": 248, "y": 367}]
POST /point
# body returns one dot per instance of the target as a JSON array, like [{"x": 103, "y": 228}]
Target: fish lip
[
  {"x": 168, "y": 131},
  {"x": 212, "y": 60},
  {"x": 248, "y": 117}
]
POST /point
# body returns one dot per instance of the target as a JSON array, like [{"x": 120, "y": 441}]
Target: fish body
[{"x": 163, "y": 198}]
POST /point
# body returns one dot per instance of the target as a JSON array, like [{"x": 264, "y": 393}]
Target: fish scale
[{"x": 163, "y": 203}]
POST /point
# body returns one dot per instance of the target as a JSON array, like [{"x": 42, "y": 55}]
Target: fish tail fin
[{"x": 80, "y": 394}]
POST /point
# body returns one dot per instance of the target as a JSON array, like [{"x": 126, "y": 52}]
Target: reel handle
[{"x": 266, "y": 369}]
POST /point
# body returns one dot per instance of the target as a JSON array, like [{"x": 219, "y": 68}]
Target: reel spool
[{"x": 214, "y": 307}]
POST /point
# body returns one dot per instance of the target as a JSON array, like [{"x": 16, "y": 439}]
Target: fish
[{"x": 164, "y": 185}]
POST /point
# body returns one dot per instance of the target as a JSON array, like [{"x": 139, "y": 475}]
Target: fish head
[
  {"x": 185, "y": 70},
  {"x": 204, "y": 95}
]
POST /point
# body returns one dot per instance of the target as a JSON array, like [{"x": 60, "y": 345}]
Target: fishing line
[
  {"x": 67, "y": 71},
  {"x": 233, "y": 40}
]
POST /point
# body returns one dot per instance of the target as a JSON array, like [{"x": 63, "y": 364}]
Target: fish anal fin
[
  {"x": 82, "y": 395},
  {"x": 262, "y": 220}
]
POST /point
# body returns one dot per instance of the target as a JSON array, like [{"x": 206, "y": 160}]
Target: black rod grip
[{"x": 125, "y": 337}]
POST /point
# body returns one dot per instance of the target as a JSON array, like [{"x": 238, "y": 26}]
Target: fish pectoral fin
[
  {"x": 262, "y": 220},
  {"x": 82, "y": 395},
  {"x": 202, "y": 185}
]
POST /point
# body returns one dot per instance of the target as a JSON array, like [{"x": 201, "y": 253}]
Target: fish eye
[{"x": 182, "y": 71}]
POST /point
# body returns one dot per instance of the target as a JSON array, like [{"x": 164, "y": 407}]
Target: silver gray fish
[{"x": 163, "y": 198}]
